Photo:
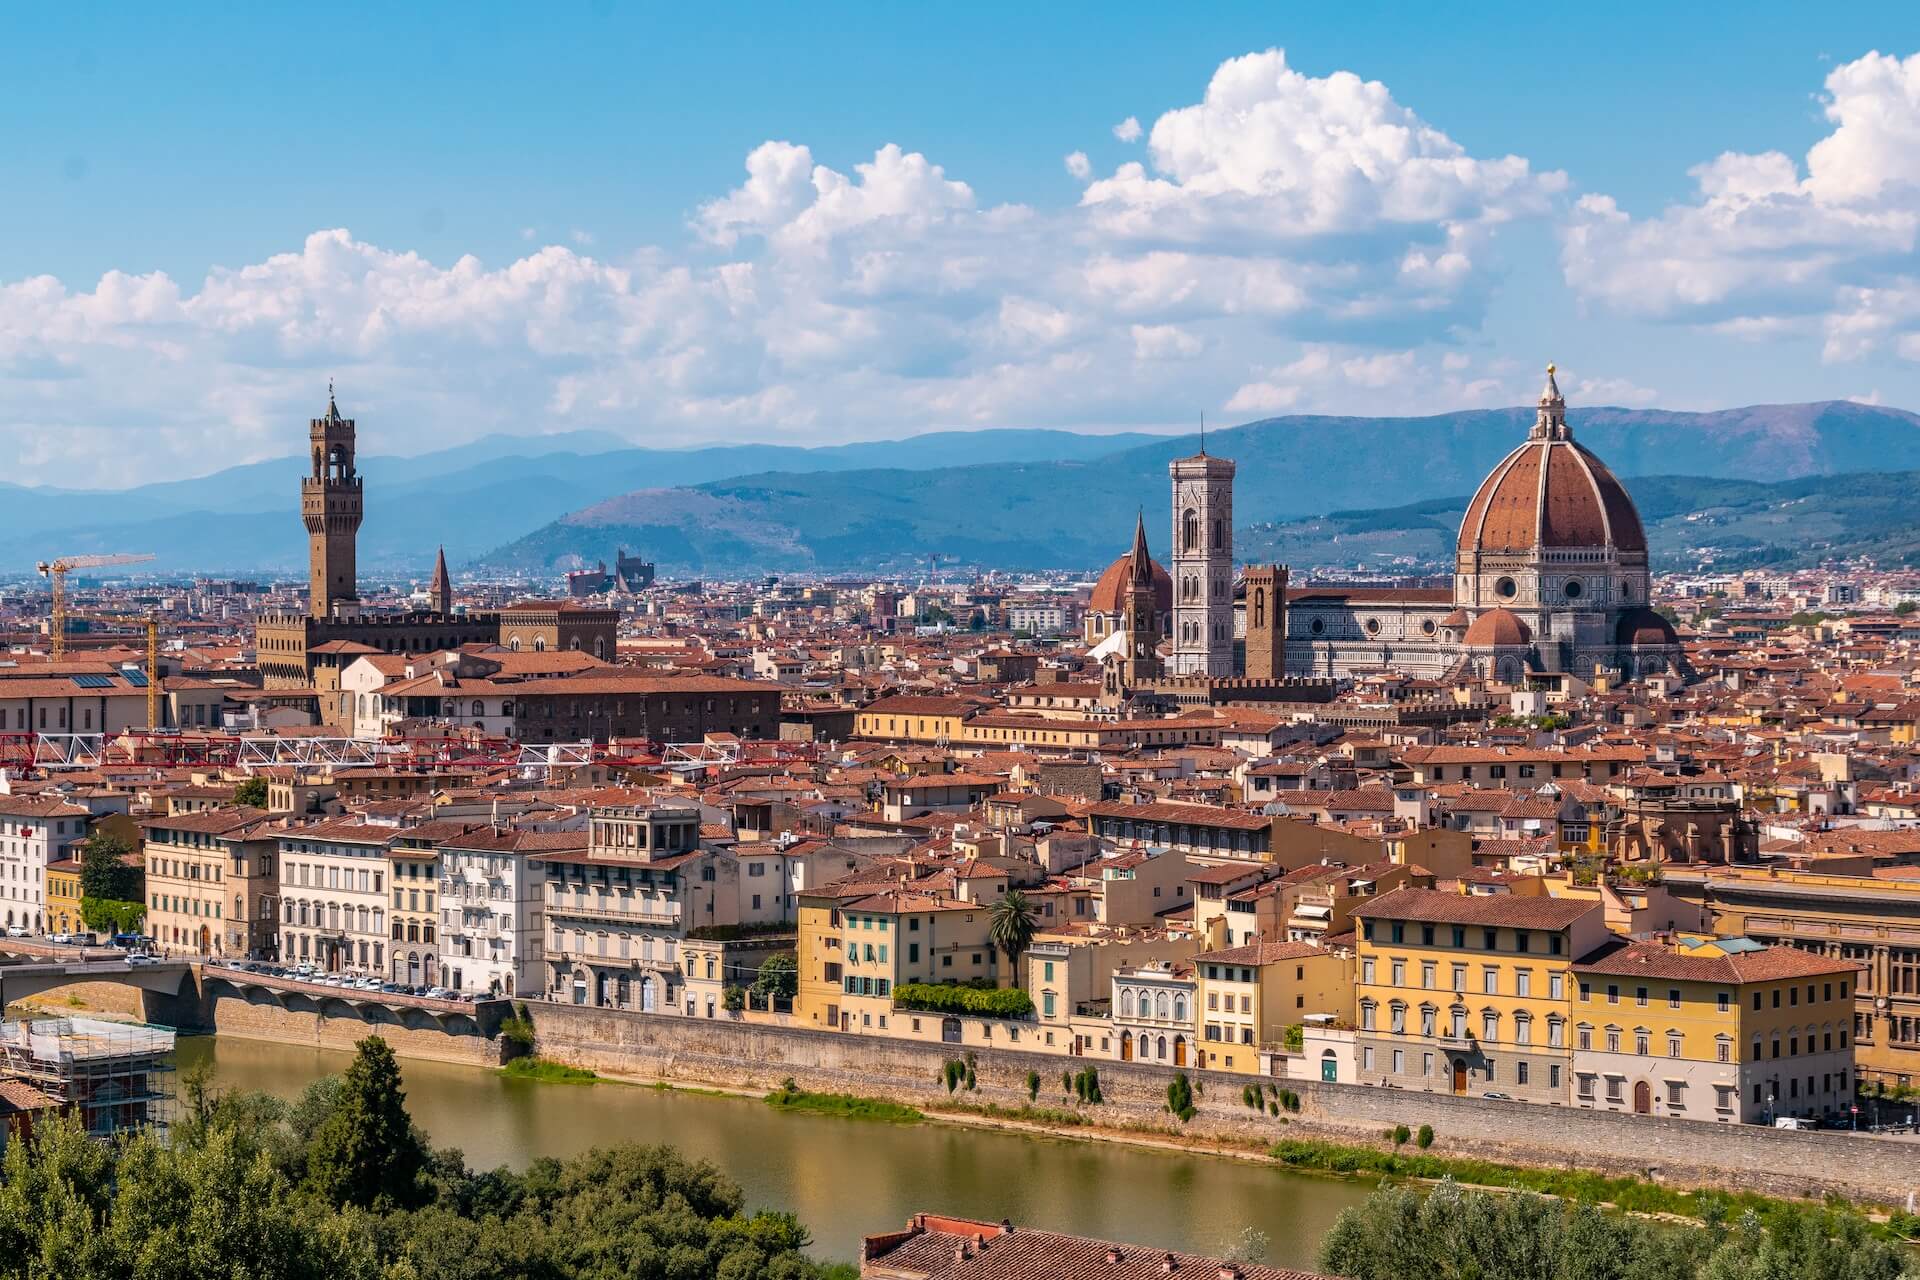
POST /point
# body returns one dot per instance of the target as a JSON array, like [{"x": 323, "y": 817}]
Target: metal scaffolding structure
[{"x": 114, "y": 1076}]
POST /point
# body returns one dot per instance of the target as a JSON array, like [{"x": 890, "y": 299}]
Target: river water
[{"x": 843, "y": 1178}]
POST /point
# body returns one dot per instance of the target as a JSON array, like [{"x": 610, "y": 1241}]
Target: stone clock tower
[{"x": 331, "y": 505}]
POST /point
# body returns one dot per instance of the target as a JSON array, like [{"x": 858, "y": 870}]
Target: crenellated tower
[{"x": 331, "y": 505}]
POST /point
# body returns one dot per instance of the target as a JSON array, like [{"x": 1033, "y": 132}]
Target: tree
[
  {"x": 779, "y": 976},
  {"x": 1011, "y": 924},
  {"x": 104, "y": 871},
  {"x": 366, "y": 1153},
  {"x": 252, "y": 792}
]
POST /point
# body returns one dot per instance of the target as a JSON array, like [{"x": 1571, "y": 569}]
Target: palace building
[{"x": 309, "y": 651}]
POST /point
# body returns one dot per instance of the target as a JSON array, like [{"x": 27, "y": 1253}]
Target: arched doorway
[
  {"x": 600, "y": 989},
  {"x": 1642, "y": 1098},
  {"x": 649, "y": 993},
  {"x": 1126, "y": 1046},
  {"x": 206, "y": 941},
  {"x": 1459, "y": 1075},
  {"x": 1329, "y": 1066},
  {"x": 1160, "y": 1049},
  {"x": 1179, "y": 1051}
]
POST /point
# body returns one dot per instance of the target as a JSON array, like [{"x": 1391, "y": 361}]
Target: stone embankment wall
[{"x": 1690, "y": 1153}]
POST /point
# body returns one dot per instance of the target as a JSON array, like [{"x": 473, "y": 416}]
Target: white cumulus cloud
[
  {"x": 1289, "y": 242},
  {"x": 1768, "y": 245}
]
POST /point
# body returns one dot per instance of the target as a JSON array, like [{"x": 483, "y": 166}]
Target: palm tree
[{"x": 1011, "y": 926}]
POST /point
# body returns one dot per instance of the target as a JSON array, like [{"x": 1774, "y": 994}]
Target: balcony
[{"x": 613, "y": 911}]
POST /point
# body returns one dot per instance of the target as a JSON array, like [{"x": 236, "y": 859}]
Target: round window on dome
[
  {"x": 1573, "y": 589},
  {"x": 1373, "y": 626},
  {"x": 1317, "y": 626},
  {"x": 1427, "y": 626},
  {"x": 1506, "y": 587}
]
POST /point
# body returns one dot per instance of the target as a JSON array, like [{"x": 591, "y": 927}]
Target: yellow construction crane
[
  {"x": 152, "y": 624},
  {"x": 55, "y": 571}
]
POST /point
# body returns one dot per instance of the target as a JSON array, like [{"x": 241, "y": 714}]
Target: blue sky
[{"x": 545, "y": 218}]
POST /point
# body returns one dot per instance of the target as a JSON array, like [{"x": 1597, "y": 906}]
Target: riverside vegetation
[
  {"x": 340, "y": 1185},
  {"x": 1455, "y": 1233}
]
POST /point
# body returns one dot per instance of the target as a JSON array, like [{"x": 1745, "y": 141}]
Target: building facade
[
  {"x": 333, "y": 897},
  {"x": 619, "y": 908},
  {"x": 1469, "y": 994},
  {"x": 35, "y": 831},
  {"x": 212, "y": 884}
]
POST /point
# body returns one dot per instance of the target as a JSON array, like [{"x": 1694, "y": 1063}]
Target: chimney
[
  {"x": 1115, "y": 1257},
  {"x": 1229, "y": 1272},
  {"x": 1169, "y": 1265}
]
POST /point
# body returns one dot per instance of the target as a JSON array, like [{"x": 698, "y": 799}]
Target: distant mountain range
[
  {"x": 247, "y": 518},
  {"x": 1690, "y": 520},
  {"x": 1009, "y": 498},
  {"x": 1077, "y": 512}
]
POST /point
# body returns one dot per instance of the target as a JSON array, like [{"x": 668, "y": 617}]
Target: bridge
[
  {"x": 418, "y": 1013},
  {"x": 190, "y": 992},
  {"x": 21, "y": 977}
]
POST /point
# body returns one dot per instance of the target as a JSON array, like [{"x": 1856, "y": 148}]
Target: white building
[
  {"x": 34, "y": 830},
  {"x": 333, "y": 897},
  {"x": 492, "y": 919}
]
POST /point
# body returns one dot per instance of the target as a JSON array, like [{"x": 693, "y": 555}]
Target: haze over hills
[
  {"x": 1077, "y": 512},
  {"x": 247, "y": 517},
  {"x": 1012, "y": 498}
]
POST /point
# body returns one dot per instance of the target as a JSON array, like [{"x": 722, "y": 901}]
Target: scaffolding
[{"x": 114, "y": 1076}]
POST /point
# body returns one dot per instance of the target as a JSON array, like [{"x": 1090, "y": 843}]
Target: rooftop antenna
[{"x": 1203, "y": 435}]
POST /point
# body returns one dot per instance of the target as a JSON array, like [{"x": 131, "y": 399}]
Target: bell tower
[
  {"x": 1202, "y": 565},
  {"x": 331, "y": 505}
]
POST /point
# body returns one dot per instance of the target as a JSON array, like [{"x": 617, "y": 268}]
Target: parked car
[
  {"x": 139, "y": 957},
  {"x": 1497, "y": 1096},
  {"x": 1795, "y": 1122}
]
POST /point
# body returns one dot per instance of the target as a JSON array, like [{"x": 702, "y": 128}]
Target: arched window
[
  {"x": 1190, "y": 530},
  {"x": 1160, "y": 1005},
  {"x": 1219, "y": 537},
  {"x": 479, "y": 707},
  {"x": 1259, "y": 606},
  {"x": 539, "y": 644},
  {"x": 1126, "y": 1002},
  {"x": 1179, "y": 1008}
]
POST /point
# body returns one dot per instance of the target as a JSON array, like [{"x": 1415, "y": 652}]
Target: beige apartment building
[
  {"x": 333, "y": 914},
  {"x": 212, "y": 884}
]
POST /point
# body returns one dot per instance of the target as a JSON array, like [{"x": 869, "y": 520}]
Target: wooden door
[
  {"x": 1642, "y": 1097},
  {"x": 1459, "y": 1075}
]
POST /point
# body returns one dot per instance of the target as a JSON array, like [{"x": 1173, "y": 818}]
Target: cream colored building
[{"x": 212, "y": 886}]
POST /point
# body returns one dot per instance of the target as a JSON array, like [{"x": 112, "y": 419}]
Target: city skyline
[{"x": 1242, "y": 217}]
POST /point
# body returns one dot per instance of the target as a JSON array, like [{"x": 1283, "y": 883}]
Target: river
[{"x": 843, "y": 1178}]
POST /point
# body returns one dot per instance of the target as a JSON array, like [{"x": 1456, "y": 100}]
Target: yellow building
[
  {"x": 63, "y": 896},
  {"x": 1249, "y": 995},
  {"x": 906, "y": 718},
  {"x": 1469, "y": 993},
  {"x": 858, "y": 942},
  {"x": 1874, "y": 922},
  {"x": 1724, "y": 1029}
]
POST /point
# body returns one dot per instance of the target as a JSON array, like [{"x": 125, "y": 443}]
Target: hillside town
[{"x": 1555, "y": 831}]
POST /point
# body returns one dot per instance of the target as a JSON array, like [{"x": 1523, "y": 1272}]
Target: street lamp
[{"x": 1770, "y": 1102}]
